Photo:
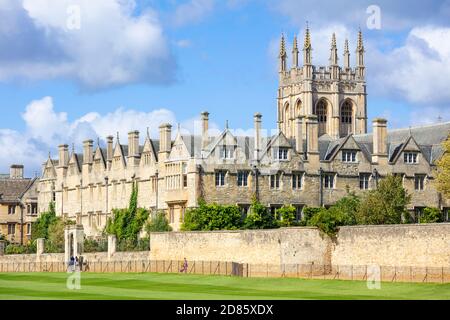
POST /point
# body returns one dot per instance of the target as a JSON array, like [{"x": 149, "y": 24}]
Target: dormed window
[
  {"x": 349, "y": 155},
  {"x": 280, "y": 153},
  {"x": 227, "y": 152},
  {"x": 410, "y": 157},
  {"x": 346, "y": 112}
]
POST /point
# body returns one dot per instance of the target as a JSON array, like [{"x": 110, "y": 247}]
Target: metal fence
[{"x": 303, "y": 271}]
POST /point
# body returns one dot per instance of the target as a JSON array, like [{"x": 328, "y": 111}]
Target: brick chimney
[
  {"x": 380, "y": 153},
  {"x": 205, "y": 127},
  {"x": 16, "y": 171}
]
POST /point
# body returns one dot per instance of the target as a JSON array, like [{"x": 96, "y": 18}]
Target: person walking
[{"x": 185, "y": 266}]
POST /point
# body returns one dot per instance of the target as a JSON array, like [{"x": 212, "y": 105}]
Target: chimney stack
[
  {"x": 109, "y": 148},
  {"x": 312, "y": 139},
  {"x": 205, "y": 127},
  {"x": 165, "y": 138},
  {"x": 63, "y": 155},
  {"x": 379, "y": 141},
  {"x": 133, "y": 143},
  {"x": 16, "y": 171},
  {"x": 258, "y": 122},
  {"x": 87, "y": 152}
]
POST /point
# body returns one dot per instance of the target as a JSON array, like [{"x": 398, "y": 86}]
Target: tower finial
[
  {"x": 282, "y": 46},
  {"x": 148, "y": 132},
  {"x": 98, "y": 141},
  {"x": 118, "y": 138},
  {"x": 360, "y": 46},
  {"x": 307, "y": 37},
  {"x": 333, "y": 41},
  {"x": 346, "y": 50},
  {"x": 295, "y": 52},
  {"x": 226, "y": 124},
  {"x": 73, "y": 147}
]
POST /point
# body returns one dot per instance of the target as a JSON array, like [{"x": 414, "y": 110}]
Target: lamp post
[
  {"x": 321, "y": 186},
  {"x": 255, "y": 171}
]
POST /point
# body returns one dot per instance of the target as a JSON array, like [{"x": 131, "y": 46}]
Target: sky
[{"x": 77, "y": 69}]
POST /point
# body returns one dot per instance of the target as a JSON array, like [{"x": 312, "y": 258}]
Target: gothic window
[
  {"x": 346, "y": 112},
  {"x": 298, "y": 108},
  {"x": 321, "y": 111},
  {"x": 419, "y": 182}
]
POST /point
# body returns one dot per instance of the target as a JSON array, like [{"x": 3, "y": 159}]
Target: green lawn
[{"x": 193, "y": 287}]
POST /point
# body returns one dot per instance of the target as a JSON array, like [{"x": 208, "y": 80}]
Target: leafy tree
[
  {"x": 39, "y": 229},
  {"x": 385, "y": 205},
  {"x": 209, "y": 217},
  {"x": 328, "y": 220},
  {"x": 287, "y": 214},
  {"x": 126, "y": 224},
  {"x": 431, "y": 215},
  {"x": 260, "y": 217},
  {"x": 443, "y": 176},
  {"x": 158, "y": 223},
  {"x": 308, "y": 213},
  {"x": 347, "y": 208}
]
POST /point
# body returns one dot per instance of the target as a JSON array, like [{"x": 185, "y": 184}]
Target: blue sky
[{"x": 134, "y": 64}]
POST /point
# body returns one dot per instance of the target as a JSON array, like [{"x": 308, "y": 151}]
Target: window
[
  {"x": 364, "y": 179},
  {"x": 348, "y": 156},
  {"x": 172, "y": 214},
  {"x": 410, "y": 157},
  {"x": 321, "y": 111},
  {"x": 185, "y": 181},
  {"x": 220, "y": 178},
  {"x": 275, "y": 181},
  {"x": 54, "y": 196},
  {"x": 419, "y": 182},
  {"x": 297, "y": 181},
  {"x": 11, "y": 209},
  {"x": 328, "y": 181},
  {"x": 242, "y": 178},
  {"x": 226, "y": 152},
  {"x": 11, "y": 228},
  {"x": 346, "y": 113},
  {"x": 28, "y": 228},
  {"x": 446, "y": 214},
  {"x": 281, "y": 153}
]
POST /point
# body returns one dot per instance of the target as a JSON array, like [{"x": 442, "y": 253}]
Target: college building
[{"x": 321, "y": 150}]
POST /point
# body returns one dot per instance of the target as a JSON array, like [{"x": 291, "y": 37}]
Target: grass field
[{"x": 191, "y": 287}]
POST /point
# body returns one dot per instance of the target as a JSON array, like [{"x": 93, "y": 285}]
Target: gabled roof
[{"x": 11, "y": 190}]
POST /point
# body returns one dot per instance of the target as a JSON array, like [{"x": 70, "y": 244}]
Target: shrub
[
  {"x": 431, "y": 215},
  {"x": 208, "y": 217},
  {"x": 260, "y": 217},
  {"x": 158, "y": 223},
  {"x": 287, "y": 214}
]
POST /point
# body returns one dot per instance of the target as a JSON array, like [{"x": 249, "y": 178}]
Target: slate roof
[{"x": 13, "y": 189}]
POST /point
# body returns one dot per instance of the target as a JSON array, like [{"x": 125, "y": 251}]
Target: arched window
[
  {"x": 286, "y": 118},
  {"x": 298, "y": 108},
  {"x": 321, "y": 111},
  {"x": 347, "y": 113}
]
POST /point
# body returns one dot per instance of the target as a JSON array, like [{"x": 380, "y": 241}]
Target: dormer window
[
  {"x": 280, "y": 153},
  {"x": 410, "y": 157},
  {"x": 349, "y": 156},
  {"x": 227, "y": 152}
]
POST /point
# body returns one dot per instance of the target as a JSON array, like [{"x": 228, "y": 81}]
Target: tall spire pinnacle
[
  {"x": 307, "y": 44},
  {"x": 333, "y": 41},
  {"x": 118, "y": 138},
  {"x": 283, "y": 55},
  {"x": 360, "y": 46},
  {"x": 148, "y": 132},
  {"x": 346, "y": 55},
  {"x": 295, "y": 53}
]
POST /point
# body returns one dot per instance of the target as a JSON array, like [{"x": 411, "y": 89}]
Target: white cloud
[
  {"x": 112, "y": 47},
  {"x": 418, "y": 71}
]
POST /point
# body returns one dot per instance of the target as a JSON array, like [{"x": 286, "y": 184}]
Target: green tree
[
  {"x": 209, "y": 217},
  {"x": 443, "y": 166},
  {"x": 308, "y": 213},
  {"x": 158, "y": 223},
  {"x": 126, "y": 224},
  {"x": 385, "y": 205},
  {"x": 431, "y": 215},
  {"x": 39, "y": 229},
  {"x": 260, "y": 217},
  {"x": 287, "y": 214}
]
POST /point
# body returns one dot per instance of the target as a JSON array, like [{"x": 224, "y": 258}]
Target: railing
[{"x": 218, "y": 268}]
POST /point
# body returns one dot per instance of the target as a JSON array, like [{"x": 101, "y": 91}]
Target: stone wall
[
  {"x": 396, "y": 245},
  {"x": 425, "y": 245},
  {"x": 296, "y": 245}
]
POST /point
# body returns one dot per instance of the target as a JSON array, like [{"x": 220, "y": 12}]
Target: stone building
[
  {"x": 18, "y": 205},
  {"x": 320, "y": 151}
]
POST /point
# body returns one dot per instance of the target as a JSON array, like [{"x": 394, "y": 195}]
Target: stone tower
[{"x": 335, "y": 94}]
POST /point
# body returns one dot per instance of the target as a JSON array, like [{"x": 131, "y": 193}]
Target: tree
[
  {"x": 208, "y": 217},
  {"x": 126, "y": 224},
  {"x": 443, "y": 176},
  {"x": 260, "y": 217},
  {"x": 385, "y": 205},
  {"x": 287, "y": 214},
  {"x": 39, "y": 229},
  {"x": 431, "y": 215},
  {"x": 158, "y": 223}
]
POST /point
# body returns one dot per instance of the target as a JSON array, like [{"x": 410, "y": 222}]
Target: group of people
[{"x": 76, "y": 263}]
